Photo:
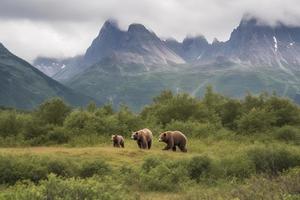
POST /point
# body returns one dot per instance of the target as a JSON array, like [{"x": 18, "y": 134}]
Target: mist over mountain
[
  {"x": 261, "y": 45},
  {"x": 190, "y": 49},
  {"x": 257, "y": 57}
]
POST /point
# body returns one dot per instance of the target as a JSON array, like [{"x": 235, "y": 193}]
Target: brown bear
[
  {"x": 143, "y": 138},
  {"x": 173, "y": 139},
  {"x": 118, "y": 141}
]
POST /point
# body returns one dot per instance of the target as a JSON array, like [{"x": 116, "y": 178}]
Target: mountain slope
[{"x": 23, "y": 86}]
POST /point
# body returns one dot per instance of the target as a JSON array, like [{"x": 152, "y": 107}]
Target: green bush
[
  {"x": 18, "y": 168},
  {"x": 230, "y": 112},
  {"x": 158, "y": 174},
  {"x": 63, "y": 168},
  {"x": 58, "y": 188},
  {"x": 53, "y": 111},
  {"x": 81, "y": 122},
  {"x": 198, "y": 167},
  {"x": 256, "y": 121},
  {"x": 237, "y": 167},
  {"x": 13, "y": 169},
  {"x": 10, "y": 124},
  {"x": 273, "y": 160},
  {"x": 288, "y": 134},
  {"x": 192, "y": 128},
  {"x": 162, "y": 177},
  {"x": 181, "y": 107},
  {"x": 285, "y": 111},
  {"x": 58, "y": 135},
  {"x": 91, "y": 168},
  {"x": 285, "y": 187},
  {"x": 150, "y": 163}
]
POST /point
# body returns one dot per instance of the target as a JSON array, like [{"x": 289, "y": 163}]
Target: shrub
[
  {"x": 168, "y": 107},
  {"x": 53, "y": 111},
  {"x": 198, "y": 167},
  {"x": 288, "y": 134},
  {"x": 286, "y": 112},
  {"x": 257, "y": 120},
  {"x": 150, "y": 163},
  {"x": 230, "y": 112},
  {"x": 162, "y": 175},
  {"x": 32, "y": 129},
  {"x": 286, "y": 187},
  {"x": 58, "y": 135},
  {"x": 13, "y": 169},
  {"x": 91, "y": 168},
  {"x": 273, "y": 160},
  {"x": 81, "y": 122},
  {"x": 10, "y": 124},
  {"x": 192, "y": 128},
  {"x": 237, "y": 167},
  {"x": 61, "y": 168},
  {"x": 58, "y": 188}
]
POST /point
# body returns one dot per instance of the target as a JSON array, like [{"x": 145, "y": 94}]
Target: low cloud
[{"x": 66, "y": 28}]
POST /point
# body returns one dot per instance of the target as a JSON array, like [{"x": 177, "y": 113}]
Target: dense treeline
[{"x": 54, "y": 122}]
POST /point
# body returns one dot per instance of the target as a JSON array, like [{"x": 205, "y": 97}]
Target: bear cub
[{"x": 118, "y": 141}]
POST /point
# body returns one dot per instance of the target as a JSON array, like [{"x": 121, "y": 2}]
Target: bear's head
[
  {"x": 164, "y": 137},
  {"x": 135, "y": 135},
  {"x": 114, "y": 137}
]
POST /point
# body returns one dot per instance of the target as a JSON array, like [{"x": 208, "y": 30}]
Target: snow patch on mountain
[{"x": 275, "y": 43}]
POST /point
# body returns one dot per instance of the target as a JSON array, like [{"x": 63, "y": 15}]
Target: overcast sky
[{"x": 62, "y": 28}]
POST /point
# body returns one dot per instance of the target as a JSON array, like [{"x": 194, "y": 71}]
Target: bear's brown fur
[
  {"x": 143, "y": 138},
  {"x": 173, "y": 139},
  {"x": 118, "y": 141}
]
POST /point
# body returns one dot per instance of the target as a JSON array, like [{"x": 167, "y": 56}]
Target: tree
[
  {"x": 285, "y": 111},
  {"x": 53, "y": 111},
  {"x": 91, "y": 107},
  {"x": 230, "y": 112},
  {"x": 257, "y": 120},
  {"x": 9, "y": 123},
  {"x": 211, "y": 99}
]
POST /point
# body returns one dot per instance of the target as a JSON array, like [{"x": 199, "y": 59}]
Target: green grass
[{"x": 131, "y": 154}]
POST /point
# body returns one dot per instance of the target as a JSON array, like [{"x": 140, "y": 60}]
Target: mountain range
[
  {"x": 131, "y": 66},
  {"x": 24, "y": 87}
]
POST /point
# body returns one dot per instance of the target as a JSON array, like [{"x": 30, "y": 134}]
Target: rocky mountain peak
[{"x": 137, "y": 28}]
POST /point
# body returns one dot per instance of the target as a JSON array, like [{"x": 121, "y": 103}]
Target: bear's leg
[
  {"x": 149, "y": 144},
  {"x": 145, "y": 144},
  {"x": 167, "y": 147},
  {"x": 139, "y": 144},
  {"x": 182, "y": 148},
  {"x": 174, "y": 148},
  {"x": 122, "y": 144}
]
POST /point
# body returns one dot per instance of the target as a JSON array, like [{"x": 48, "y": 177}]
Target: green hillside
[
  {"x": 115, "y": 83},
  {"x": 23, "y": 86}
]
